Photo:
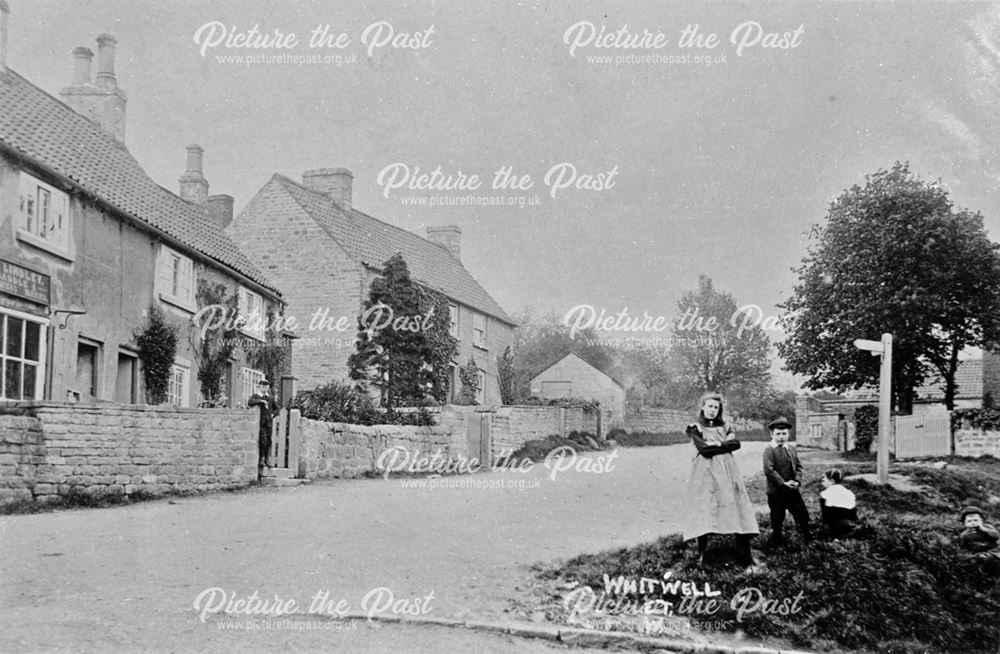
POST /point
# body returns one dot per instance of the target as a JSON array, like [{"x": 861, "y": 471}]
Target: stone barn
[{"x": 573, "y": 376}]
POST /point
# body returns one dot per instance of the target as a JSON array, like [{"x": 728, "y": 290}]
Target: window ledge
[
  {"x": 481, "y": 347},
  {"x": 42, "y": 244},
  {"x": 179, "y": 303}
]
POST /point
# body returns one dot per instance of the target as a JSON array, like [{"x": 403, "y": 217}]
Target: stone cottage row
[{"x": 89, "y": 242}]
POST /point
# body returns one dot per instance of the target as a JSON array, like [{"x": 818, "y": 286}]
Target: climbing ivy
[
  {"x": 469, "y": 376},
  {"x": 157, "y": 349},
  {"x": 218, "y": 339}
]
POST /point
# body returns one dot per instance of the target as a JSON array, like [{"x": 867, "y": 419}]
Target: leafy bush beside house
[{"x": 157, "y": 349}]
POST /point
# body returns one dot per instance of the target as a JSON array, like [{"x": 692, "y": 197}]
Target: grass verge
[{"x": 901, "y": 584}]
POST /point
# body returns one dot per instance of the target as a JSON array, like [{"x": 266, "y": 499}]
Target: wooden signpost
[{"x": 883, "y": 348}]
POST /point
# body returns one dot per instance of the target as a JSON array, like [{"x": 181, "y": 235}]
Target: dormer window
[{"x": 44, "y": 214}]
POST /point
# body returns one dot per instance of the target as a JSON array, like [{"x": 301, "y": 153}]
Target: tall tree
[
  {"x": 893, "y": 256},
  {"x": 716, "y": 352},
  {"x": 403, "y": 346}
]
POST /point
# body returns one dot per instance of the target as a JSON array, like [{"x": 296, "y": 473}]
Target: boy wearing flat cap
[
  {"x": 267, "y": 408},
  {"x": 783, "y": 469}
]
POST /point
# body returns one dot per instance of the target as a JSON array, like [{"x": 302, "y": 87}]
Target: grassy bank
[{"x": 901, "y": 584}]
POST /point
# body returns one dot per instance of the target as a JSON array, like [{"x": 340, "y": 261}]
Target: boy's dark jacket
[
  {"x": 982, "y": 539},
  {"x": 777, "y": 472}
]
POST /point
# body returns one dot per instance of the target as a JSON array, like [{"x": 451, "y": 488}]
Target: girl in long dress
[{"x": 717, "y": 498}]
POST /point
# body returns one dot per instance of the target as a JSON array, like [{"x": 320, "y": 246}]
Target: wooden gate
[
  {"x": 924, "y": 435},
  {"x": 478, "y": 438},
  {"x": 285, "y": 441}
]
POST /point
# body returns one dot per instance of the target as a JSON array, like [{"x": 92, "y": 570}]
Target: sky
[{"x": 644, "y": 174}]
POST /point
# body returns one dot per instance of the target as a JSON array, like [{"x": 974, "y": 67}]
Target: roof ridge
[
  {"x": 76, "y": 115},
  {"x": 352, "y": 210},
  {"x": 76, "y": 149},
  {"x": 327, "y": 209}
]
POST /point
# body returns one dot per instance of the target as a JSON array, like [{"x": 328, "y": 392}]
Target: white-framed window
[
  {"x": 479, "y": 330},
  {"x": 44, "y": 214},
  {"x": 249, "y": 378},
  {"x": 251, "y": 309},
  {"x": 180, "y": 380},
  {"x": 481, "y": 393},
  {"x": 175, "y": 278},
  {"x": 22, "y": 354},
  {"x": 453, "y": 316}
]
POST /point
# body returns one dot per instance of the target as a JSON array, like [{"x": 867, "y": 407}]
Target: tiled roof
[
  {"x": 45, "y": 131},
  {"x": 968, "y": 378},
  {"x": 374, "y": 242}
]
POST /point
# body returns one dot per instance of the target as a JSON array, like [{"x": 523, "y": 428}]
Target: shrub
[
  {"x": 157, "y": 348},
  {"x": 469, "y": 377},
  {"x": 537, "y": 450},
  {"x": 616, "y": 434},
  {"x": 335, "y": 402},
  {"x": 339, "y": 402},
  {"x": 505, "y": 376},
  {"x": 984, "y": 418},
  {"x": 865, "y": 427}
]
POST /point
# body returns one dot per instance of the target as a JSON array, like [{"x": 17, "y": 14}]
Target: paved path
[{"x": 126, "y": 578}]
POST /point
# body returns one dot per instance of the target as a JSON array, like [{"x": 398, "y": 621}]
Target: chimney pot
[
  {"x": 447, "y": 236},
  {"x": 194, "y": 186},
  {"x": 338, "y": 183},
  {"x": 106, "y": 61},
  {"x": 220, "y": 209},
  {"x": 82, "y": 58},
  {"x": 4, "y": 11},
  {"x": 194, "y": 159}
]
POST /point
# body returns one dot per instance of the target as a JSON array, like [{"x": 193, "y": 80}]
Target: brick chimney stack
[
  {"x": 338, "y": 183},
  {"x": 4, "y": 12},
  {"x": 447, "y": 236},
  {"x": 102, "y": 102},
  {"x": 220, "y": 209},
  {"x": 194, "y": 186}
]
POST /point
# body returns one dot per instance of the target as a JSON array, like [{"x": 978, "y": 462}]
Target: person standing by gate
[{"x": 267, "y": 408}]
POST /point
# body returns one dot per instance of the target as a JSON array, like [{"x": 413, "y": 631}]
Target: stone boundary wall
[
  {"x": 977, "y": 443},
  {"x": 50, "y": 449},
  {"x": 657, "y": 421},
  {"x": 339, "y": 450},
  {"x": 651, "y": 420}
]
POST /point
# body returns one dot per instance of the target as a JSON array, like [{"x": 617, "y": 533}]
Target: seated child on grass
[
  {"x": 980, "y": 539},
  {"x": 977, "y": 537},
  {"x": 838, "y": 505}
]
